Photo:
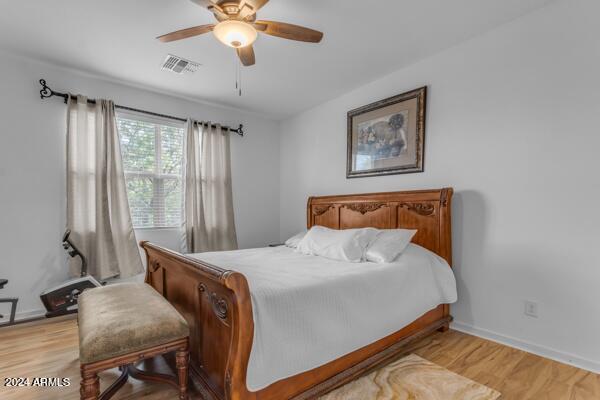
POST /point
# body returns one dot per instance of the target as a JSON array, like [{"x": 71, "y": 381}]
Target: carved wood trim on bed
[{"x": 216, "y": 302}]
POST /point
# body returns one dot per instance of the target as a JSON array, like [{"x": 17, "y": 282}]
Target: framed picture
[{"x": 387, "y": 137}]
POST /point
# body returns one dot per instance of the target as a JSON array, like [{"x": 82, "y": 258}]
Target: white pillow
[
  {"x": 343, "y": 245},
  {"x": 295, "y": 240},
  {"x": 388, "y": 245}
]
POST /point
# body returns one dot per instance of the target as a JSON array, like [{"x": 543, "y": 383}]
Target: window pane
[
  {"x": 173, "y": 198},
  {"x": 137, "y": 145},
  {"x": 140, "y": 194},
  {"x": 172, "y": 149},
  {"x": 153, "y": 158}
]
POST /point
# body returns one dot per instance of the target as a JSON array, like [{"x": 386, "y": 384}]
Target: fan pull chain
[
  {"x": 238, "y": 76},
  {"x": 236, "y": 69}
]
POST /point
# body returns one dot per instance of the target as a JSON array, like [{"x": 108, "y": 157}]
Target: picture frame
[{"x": 387, "y": 137}]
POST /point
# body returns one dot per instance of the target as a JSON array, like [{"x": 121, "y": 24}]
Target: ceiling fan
[{"x": 237, "y": 27}]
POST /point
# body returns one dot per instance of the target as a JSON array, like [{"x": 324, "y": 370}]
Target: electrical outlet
[{"x": 531, "y": 308}]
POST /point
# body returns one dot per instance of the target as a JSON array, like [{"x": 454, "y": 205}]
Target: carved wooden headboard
[{"x": 428, "y": 211}]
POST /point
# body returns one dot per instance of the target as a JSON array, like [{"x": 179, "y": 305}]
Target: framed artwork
[{"x": 387, "y": 137}]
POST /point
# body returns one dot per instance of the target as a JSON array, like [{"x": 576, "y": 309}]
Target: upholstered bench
[{"x": 122, "y": 324}]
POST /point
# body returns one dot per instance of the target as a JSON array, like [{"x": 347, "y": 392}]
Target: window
[{"x": 152, "y": 152}]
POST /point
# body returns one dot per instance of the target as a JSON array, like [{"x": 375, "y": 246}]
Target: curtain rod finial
[{"x": 46, "y": 91}]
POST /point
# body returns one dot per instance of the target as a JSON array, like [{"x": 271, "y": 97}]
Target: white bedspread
[{"x": 309, "y": 310}]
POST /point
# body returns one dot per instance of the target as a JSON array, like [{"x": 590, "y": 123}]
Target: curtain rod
[{"x": 46, "y": 92}]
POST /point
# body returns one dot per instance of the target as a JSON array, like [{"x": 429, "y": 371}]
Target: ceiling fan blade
[
  {"x": 289, "y": 31},
  {"x": 186, "y": 33},
  {"x": 257, "y": 4},
  {"x": 250, "y": 7},
  {"x": 246, "y": 55}
]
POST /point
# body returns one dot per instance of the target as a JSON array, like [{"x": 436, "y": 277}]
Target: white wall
[
  {"x": 32, "y": 171},
  {"x": 513, "y": 125}
]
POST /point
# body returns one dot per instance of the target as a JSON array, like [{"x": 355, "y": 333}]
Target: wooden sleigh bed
[{"x": 216, "y": 302}]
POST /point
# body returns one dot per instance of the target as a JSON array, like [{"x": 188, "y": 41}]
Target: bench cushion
[{"x": 119, "y": 319}]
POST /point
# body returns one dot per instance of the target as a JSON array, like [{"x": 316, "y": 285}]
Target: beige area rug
[{"x": 413, "y": 378}]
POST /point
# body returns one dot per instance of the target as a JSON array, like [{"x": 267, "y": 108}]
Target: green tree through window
[{"x": 153, "y": 162}]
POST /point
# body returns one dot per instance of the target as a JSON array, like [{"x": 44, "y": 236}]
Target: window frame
[{"x": 157, "y": 176}]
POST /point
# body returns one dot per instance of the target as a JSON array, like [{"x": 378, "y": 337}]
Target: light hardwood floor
[{"x": 49, "y": 349}]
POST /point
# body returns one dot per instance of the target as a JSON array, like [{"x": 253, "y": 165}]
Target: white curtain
[
  {"x": 97, "y": 207},
  {"x": 209, "y": 220}
]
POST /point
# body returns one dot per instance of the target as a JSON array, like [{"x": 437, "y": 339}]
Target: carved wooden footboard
[{"x": 216, "y": 302}]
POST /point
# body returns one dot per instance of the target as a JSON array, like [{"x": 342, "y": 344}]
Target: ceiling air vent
[{"x": 179, "y": 65}]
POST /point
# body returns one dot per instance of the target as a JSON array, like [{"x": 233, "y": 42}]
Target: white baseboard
[
  {"x": 562, "y": 357},
  {"x": 23, "y": 315}
]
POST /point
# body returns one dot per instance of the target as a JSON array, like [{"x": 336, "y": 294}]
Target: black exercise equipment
[
  {"x": 62, "y": 299},
  {"x": 13, "y": 307}
]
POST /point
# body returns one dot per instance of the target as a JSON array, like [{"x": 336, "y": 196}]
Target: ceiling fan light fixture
[{"x": 236, "y": 34}]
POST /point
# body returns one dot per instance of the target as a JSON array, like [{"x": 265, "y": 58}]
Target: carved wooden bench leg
[
  {"x": 90, "y": 385},
  {"x": 182, "y": 359}
]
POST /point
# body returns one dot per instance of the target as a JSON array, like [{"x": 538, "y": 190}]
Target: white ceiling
[{"x": 363, "y": 41}]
